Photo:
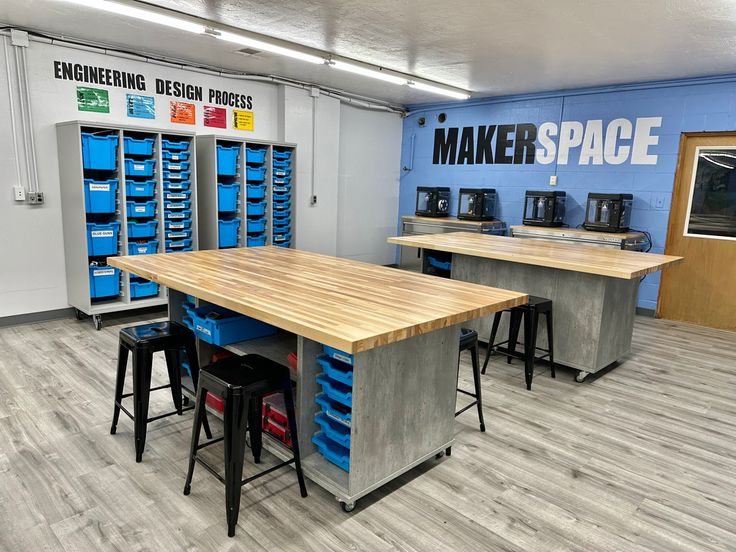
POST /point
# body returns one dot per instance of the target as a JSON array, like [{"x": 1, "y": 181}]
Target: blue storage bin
[
  {"x": 139, "y": 167},
  {"x": 174, "y": 195},
  {"x": 228, "y": 232},
  {"x": 178, "y": 245},
  {"x": 104, "y": 281},
  {"x": 255, "y": 208},
  {"x": 102, "y": 239},
  {"x": 280, "y": 228},
  {"x": 281, "y": 214},
  {"x": 174, "y": 155},
  {"x": 140, "y": 288},
  {"x": 336, "y": 369},
  {"x": 177, "y": 215},
  {"x": 146, "y": 188},
  {"x": 143, "y": 248},
  {"x": 179, "y": 185},
  {"x": 175, "y": 145},
  {"x": 255, "y": 156},
  {"x": 134, "y": 146},
  {"x": 229, "y": 327},
  {"x": 227, "y": 197},
  {"x": 227, "y": 160},
  {"x": 285, "y": 244},
  {"x": 177, "y": 205},
  {"x": 144, "y": 209},
  {"x": 100, "y": 195},
  {"x": 281, "y": 238},
  {"x": 337, "y": 354},
  {"x": 281, "y": 164},
  {"x": 256, "y": 192},
  {"x": 337, "y": 454},
  {"x": 184, "y": 363},
  {"x": 178, "y": 234},
  {"x": 281, "y": 196},
  {"x": 256, "y": 241},
  {"x": 335, "y": 390},
  {"x": 256, "y": 226},
  {"x": 334, "y": 430},
  {"x": 281, "y": 173},
  {"x": 281, "y": 206},
  {"x": 281, "y": 154},
  {"x": 142, "y": 229},
  {"x": 285, "y": 181},
  {"x": 176, "y": 165},
  {"x": 177, "y": 175},
  {"x": 255, "y": 174},
  {"x": 280, "y": 223},
  {"x": 99, "y": 152},
  {"x": 334, "y": 409},
  {"x": 177, "y": 224},
  {"x": 431, "y": 261},
  {"x": 281, "y": 189}
]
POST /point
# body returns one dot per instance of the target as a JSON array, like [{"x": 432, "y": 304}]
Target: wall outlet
[
  {"x": 19, "y": 193},
  {"x": 35, "y": 198},
  {"x": 313, "y": 200},
  {"x": 553, "y": 180}
]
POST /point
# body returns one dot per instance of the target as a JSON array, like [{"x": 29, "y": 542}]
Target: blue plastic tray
[
  {"x": 281, "y": 163},
  {"x": 171, "y": 176},
  {"x": 176, "y": 165},
  {"x": 334, "y": 409},
  {"x": 143, "y": 248},
  {"x": 142, "y": 229},
  {"x": 133, "y": 146},
  {"x": 177, "y": 195},
  {"x": 281, "y": 196},
  {"x": 144, "y": 209},
  {"x": 256, "y": 241},
  {"x": 179, "y": 185},
  {"x": 228, "y": 232},
  {"x": 338, "y": 354},
  {"x": 178, "y": 205},
  {"x": 281, "y": 238},
  {"x": 282, "y": 214},
  {"x": 102, "y": 239},
  {"x": 283, "y": 244},
  {"x": 99, "y": 153},
  {"x": 227, "y": 160},
  {"x": 281, "y": 206},
  {"x": 281, "y": 189},
  {"x": 141, "y": 288},
  {"x": 255, "y": 192},
  {"x": 255, "y": 209},
  {"x": 255, "y": 156},
  {"x": 281, "y": 154},
  {"x": 334, "y": 430},
  {"x": 178, "y": 245},
  {"x": 336, "y": 390},
  {"x": 104, "y": 281},
  {"x": 336, "y": 370},
  {"x": 281, "y": 173},
  {"x": 256, "y": 226},
  {"x": 175, "y": 155},
  {"x": 178, "y": 215},
  {"x": 442, "y": 265},
  {"x": 139, "y": 167},
  {"x": 227, "y": 197},
  {"x": 281, "y": 226},
  {"x": 100, "y": 195},
  {"x": 178, "y": 234},
  {"x": 229, "y": 328},
  {"x": 338, "y": 455},
  {"x": 177, "y": 224},
  {"x": 146, "y": 188},
  {"x": 255, "y": 174},
  {"x": 175, "y": 145}
]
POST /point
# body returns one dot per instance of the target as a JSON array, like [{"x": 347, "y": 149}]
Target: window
[{"x": 712, "y": 208}]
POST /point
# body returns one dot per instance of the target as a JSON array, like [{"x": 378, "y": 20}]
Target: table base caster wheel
[
  {"x": 79, "y": 315},
  {"x": 439, "y": 455},
  {"x": 448, "y": 451},
  {"x": 97, "y": 319},
  {"x": 580, "y": 377},
  {"x": 347, "y": 506}
]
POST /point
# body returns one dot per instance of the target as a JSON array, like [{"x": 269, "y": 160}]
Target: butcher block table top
[
  {"x": 350, "y": 305},
  {"x": 615, "y": 263}
]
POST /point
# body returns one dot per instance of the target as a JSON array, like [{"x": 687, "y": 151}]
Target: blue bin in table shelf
[
  {"x": 220, "y": 326},
  {"x": 256, "y": 226},
  {"x": 174, "y": 155},
  {"x": 337, "y": 370},
  {"x": 178, "y": 185},
  {"x": 255, "y": 208},
  {"x": 256, "y": 191},
  {"x": 143, "y": 247},
  {"x": 176, "y": 165},
  {"x": 177, "y": 224},
  {"x": 176, "y": 195},
  {"x": 177, "y": 205},
  {"x": 141, "y": 288},
  {"x": 280, "y": 155},
  {"x": 334, "y": 409},
  {"x": 442, "y": 265},
  {"x": 171, "y": 176},
  {"x": 177, "y": 216},
  {"x": 335, "y": 390},
  {"x": 227, "y": 160},
  {"x": 337, "y": 454},
  {"x": 145, "y": 209},
  {"x": 227, "y": 197},
  {"x": 99, "y": 152},
  {"x": 178, "y": 234},
  {"x": 137, "y": 230},
  {"x": 255, "y": 174},
  {"x": 256, "y": 241},
  {"x": 255, "y": 156},
  {"x": 337, "y": 432},
  {"x": 174, "y": 145},
  {"x": 134, "y": 146},
  {"x": 337, "y": 354},
  {"x": 146, "y": 188},
  {"x": 100, "y": 195},
  {"x": 178, "y": 245},
  {"x": 102, "y": 239},
  {"x": 139, "y": 167},
  {"x": 104, "y": 281},
  {"x": 227, "y": 232}
]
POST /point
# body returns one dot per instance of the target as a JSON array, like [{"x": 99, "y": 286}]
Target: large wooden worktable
[
  {"x": 403, "y": 329},
  {"x": 593, "y": 289}
]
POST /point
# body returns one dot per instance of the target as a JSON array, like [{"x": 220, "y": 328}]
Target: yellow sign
[{"x": 242, "y": 120}]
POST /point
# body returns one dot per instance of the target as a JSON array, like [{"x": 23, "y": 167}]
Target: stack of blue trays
[
  {"x": 281, "y": 195},
  {"x": 336, "y": 402},
  {"x": 229, "y": 205},
  {"x": 177, "y": 200},
  {"x": 255, "y": 173}
]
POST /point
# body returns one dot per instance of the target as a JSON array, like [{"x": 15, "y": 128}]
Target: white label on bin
[
  {"x": 180, "y": 235},
  {"x": 176, "y": 215},
  {"x": 174, "y": 167},
  {"x": 342, "y": 357},
  {"x": 280, "y": 173},
  {"x": 142, "y": 249},
  {"x": 176, "y": 226},
  {"x": 141, "y": 209},
  {"x": 204, "y": 330},
  {"x": 104, "y": 272},
  {"x": 99, "y": 187},
  {"x": 175, "y": 157},
  {"x": 174, "y": 177},
  {"x": 139, "y": 167},
  {"x": 102, "y": 233},
  {"x": 139, "y": 188},
  {"x": 177, "y": 196}
]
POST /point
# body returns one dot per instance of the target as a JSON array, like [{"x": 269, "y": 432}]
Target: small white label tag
[
  {"x": 140, "y": 209},
  {"x": 99, "y": 187},
  {"x": 204, "y": 330},
  {"x": 138, "y": 167},
  {"x": 176, "y": 215},
  {"x": 103, "y": 272},
  {"x": 174, "y": 167},
  {"x": 102, "y": 233}
]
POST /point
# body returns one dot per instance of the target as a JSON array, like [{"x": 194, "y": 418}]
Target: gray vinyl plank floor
[{"x": 641, "y": 458}]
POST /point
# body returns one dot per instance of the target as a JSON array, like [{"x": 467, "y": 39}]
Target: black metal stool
[
  {"x": 469, "y": 342},
  {"x": 242, "y": 382},
  {"x": 530, "y": 315},
  {"x": 143, "y": 341}
]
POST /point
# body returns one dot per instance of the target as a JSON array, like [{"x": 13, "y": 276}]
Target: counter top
[
  {"x": 577, "y": 232},
  {"x": 589, "y": 259},
  {"x": 350, "y": 305}
]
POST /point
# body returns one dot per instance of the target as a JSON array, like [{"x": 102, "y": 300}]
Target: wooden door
[{"x": 702, "y": 228}]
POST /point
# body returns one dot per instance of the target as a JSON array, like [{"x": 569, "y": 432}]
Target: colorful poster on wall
[
  {"x": 93, "y": 99},
  {"x": 182, "y": 112},
  {"x": 242, "y": 120},
  {"x": 215, "y": 116},
  {"x": 140, "y": 107}
]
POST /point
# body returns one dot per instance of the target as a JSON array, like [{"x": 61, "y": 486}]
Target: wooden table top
[
  {"x": 579, "y": 232},
  {"x": 347, "y": 304},
  {"x": 589, "y": 259},
  {"x": 454, "y": 220}
]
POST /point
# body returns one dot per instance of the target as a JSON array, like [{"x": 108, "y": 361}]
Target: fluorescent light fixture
[
  {"x": 439, "y": 90},
  {"x": 367, "y": 72},
  {"x": 138, "y": 13},
  {"x": 266, "y": 46}
]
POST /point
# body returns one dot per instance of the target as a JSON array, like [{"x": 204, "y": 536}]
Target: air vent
[{"x": 248, "y": 51}]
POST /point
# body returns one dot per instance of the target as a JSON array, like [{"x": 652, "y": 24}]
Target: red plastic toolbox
[
  {"x": 281, "y": 432},
  {"x": 213, "y": 401},
  {"x": 293, "y": 362},
  {"x": 273, "y": 408}
]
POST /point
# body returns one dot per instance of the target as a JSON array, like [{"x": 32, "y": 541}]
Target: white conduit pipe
[
  {"x": 11, "y": 105},
  {"x": 28, "y": 114}
]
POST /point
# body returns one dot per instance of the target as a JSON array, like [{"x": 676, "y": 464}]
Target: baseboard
[
  {"x": 645, "y": 312},
  {"x": 44, "y": 316}
]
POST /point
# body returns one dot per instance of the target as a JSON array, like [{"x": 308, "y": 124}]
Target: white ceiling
[{"x": 491, "y": 47}]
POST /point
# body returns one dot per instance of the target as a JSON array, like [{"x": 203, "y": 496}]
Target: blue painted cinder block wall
[{"x": 695, "y": 105}]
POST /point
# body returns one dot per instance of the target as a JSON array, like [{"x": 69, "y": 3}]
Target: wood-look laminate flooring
[{"x": 642, "y": 458}]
